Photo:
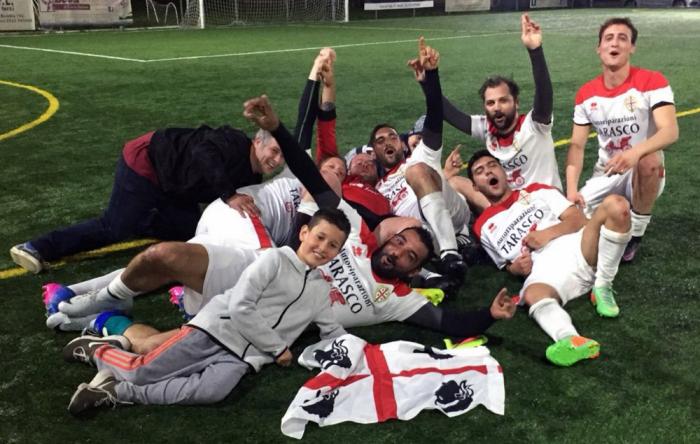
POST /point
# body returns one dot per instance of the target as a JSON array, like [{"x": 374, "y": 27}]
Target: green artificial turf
[{"x": 644, "y": 386}]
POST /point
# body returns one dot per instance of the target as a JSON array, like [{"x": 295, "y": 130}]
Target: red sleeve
[{"x": 325, "y": 138}]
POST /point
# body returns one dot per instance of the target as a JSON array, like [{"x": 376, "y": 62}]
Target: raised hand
[
  {"x": 418, "y": 70},
  {"x": 453, "y": 163},
  {"x": 531, "y": 33},
  {"x": 259, "y": 111},
  {"x": 427, "y": 55}
]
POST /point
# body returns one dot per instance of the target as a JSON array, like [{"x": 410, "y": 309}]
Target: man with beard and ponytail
[
  {"x": 522, "y": 143},
  {"x": 367, "y": 276}
]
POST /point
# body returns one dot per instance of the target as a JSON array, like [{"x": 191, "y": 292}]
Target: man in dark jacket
[{"x": 161, "y": 179}]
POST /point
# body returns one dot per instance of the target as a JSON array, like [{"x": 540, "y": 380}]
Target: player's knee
[
  {"x": 617, "y": 207},
  {"x": 649, "y": 166},
  {"x": 420, "y": 174},
  {"x": 161, "y": 256}
]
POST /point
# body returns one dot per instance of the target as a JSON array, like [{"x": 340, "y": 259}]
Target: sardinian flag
[{"x": 368, "y": 383}]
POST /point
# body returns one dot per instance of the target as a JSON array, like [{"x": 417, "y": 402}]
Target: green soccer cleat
[
  {"x": 568, "y": 351},
  {"x": 603, "y": 298}
]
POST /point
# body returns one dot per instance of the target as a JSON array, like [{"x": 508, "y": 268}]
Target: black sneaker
[
  {"x": 83, "y": 348},
  {"x": 27, "y": 257},
  {"x": 453, "y": 266},
  {"x": 100, "y": 392}
]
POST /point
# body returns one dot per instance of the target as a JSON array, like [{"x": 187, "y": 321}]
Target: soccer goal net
[{"x": 205, "y": 13}]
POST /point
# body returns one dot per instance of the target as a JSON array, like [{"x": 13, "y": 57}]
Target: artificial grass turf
[{"x": 643, "y": 388}]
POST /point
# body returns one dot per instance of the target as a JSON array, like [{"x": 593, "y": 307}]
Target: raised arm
[
  {"x": 432, "y": 129},
  {"x": 531, "y": 36},
  {"x": 260, "y": 111}
]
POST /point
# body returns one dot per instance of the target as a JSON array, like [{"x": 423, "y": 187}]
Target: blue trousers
[{"x": 137, "y": 208}]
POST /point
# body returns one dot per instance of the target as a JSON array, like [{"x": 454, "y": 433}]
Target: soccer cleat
[
  {"x": 27, "y": 257},
  {"x": 83, "y": 348},
  {"x": 94, "y": 302},
  {"x": 100, "y": 392},
  {"x": 452, "y": 265},
  {"x": 434, "y": 295},
  {"x": 632, "y": 248},
  {"x": 568, "y": 351},
  {"x": 53, "y": 294},
  {"x": 62, "y": 322},
  {"x": 474, "y": 341},
  {"x": 603, "y": 299}
]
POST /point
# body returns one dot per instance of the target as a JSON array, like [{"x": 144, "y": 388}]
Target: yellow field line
[
  {"x": 17, "y": 271},
  {"x": 50, "y": 111}
]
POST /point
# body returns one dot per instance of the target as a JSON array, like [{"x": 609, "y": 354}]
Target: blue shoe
[
  {"x": 54, "y": 293},
  {"x": 26, "y": 256}
]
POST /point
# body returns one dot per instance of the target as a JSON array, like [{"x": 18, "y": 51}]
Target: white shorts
[
  {"x": 561, "y": 265},
  {"x": 599, "y": 186},
  {"x": 226, "y": 263},
  {"x": 226, "y": 226},
  {"x": 456, "y": 203}
]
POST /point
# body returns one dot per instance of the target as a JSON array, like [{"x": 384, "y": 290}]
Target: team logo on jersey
[
  {"x": 491, "y": 227},
  {"x": 430, "y": 351},
  {"x": 382, "y": 293},
  {"x": 516, "y": 178},
  {"x": 453, "y": 396},
  {"x": 324, "y": 407},
  {"x": 524, "y": 198},
  {"x": 630, "y": 103},
  {"x": 357, "y": 251},
  {"x": 337, "y": 355},
  {"x": 594, "y": 106}
]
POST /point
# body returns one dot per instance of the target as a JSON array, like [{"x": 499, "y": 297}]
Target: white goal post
[{"x": 205, "y": 13}]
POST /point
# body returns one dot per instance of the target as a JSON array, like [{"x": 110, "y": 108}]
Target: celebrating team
[{"x": 262, "y": 254}]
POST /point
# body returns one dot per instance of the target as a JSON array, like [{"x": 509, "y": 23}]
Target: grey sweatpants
[{"x": 188, "y": 368}]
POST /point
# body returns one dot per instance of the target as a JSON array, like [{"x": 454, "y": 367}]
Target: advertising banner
[
  {"x": 16, "y": 15},
  {"x": 380, "y": 5},
  {"x": 54, "y": 13}
]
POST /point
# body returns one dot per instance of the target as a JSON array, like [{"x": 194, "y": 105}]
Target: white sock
[
  {"x": 611, "y": 247},
  {"x": 553, "y": 319},
  {"x": 639, "y": 223},
  {"x": 440, "y": 221},
  {"x": 95, "y": 284},
  {"x": 117, "y": 289}
]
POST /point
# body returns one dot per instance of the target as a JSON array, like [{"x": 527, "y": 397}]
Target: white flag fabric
[{"x": 369, "y": 383}]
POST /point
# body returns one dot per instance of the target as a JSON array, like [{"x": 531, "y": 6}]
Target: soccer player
[
  {"x": 633, "y": 113},
  {"x": 415, "y": 187},
  {"x": 521, "y": 142},
  {"x": 161, "y": 179},
  {"x": 536, "y": 232},
  {"x": 250, "y": 325}
]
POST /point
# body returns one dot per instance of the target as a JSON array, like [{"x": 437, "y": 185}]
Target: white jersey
[
  {"x": 358, "y": 296},
  {"x": 502, "y": 227},
  {"x": 622, "y": 116},
  {"x": 278, "y": 201},
  {"x": 526, "y": 154},
  {"x": 368, "y": 383},
  {"x": 402, "y": 200}
]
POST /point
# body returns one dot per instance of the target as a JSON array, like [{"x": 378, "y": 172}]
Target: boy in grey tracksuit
[{"x": 249, "y": 325}]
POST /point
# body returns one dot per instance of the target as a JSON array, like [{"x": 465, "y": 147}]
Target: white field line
[
  {"x": 84, "y": 54},
  {"x": 281, "y": 51},
  {"x": 311, "y": 48}
]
